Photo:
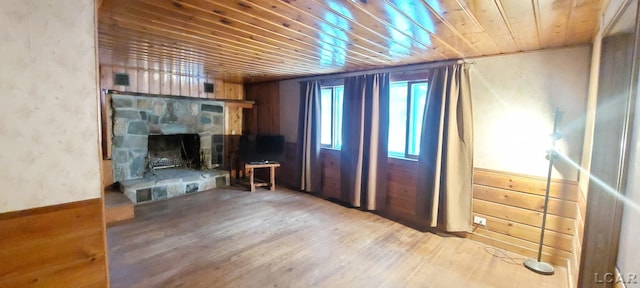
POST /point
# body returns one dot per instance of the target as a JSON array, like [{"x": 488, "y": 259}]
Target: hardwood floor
[{"x": 233, "y": 238}]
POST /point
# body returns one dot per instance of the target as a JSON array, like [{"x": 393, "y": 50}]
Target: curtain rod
[{"x": 394, "y": 69}]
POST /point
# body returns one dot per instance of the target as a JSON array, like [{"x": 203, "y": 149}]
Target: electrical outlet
[{"x": 479, "y": 220}]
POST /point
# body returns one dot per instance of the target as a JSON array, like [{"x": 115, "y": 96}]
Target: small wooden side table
[{"x": 272, "y": 175}]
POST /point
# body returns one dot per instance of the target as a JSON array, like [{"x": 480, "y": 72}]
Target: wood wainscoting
[
  {"x": 330, "y": 173},
  {"x": 576, "y": 251},
  {"x": 401, "y": 191},
  {"x": 54, "y": 246},
  {"x": 511, "y": 203},
  {"x": 289, "y": 173}
]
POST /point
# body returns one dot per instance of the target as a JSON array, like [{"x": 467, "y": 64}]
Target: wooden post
[
  {"x": 251, "y": 184},
  {"x": 272, "y": 181}
]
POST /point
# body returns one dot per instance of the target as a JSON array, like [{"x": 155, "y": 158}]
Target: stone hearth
[{"x": 167, "y": 183}]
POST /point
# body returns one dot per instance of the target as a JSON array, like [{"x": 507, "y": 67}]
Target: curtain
[
  {"x": 365, "y": 130},
  {"x": 445, "y": 165},
  {"x": 309, "y": 137}
]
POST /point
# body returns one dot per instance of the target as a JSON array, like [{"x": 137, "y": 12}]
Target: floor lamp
[{"x": 534, "y": 265}]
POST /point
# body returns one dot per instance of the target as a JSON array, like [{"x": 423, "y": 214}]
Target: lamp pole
[{"x": 538, "y": 265}]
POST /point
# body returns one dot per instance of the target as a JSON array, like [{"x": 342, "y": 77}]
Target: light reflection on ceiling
[
  {"x": 333, "y": 36},
  {"x": 411, "y": 26}
]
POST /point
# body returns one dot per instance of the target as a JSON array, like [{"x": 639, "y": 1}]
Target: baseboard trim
[{"x": 48, "y": 209}]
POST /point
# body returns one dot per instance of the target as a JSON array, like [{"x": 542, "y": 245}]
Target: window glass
[
  {"x": 331, "y": 99},
  {"x": 397, "y": 118},
  {"x": 339, "y": 96},
  {"x": 407, "y": 100},
  {"x": 418, "y": 100},
  {"x": 326, "y": 108}
]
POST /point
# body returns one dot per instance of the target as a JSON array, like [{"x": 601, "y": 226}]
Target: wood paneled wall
[
  {"x": 233, "y": 119},
  {"x": 54, "y": 246},
  {"x": 511, "y": 203},
  {"x": 144, "y": 80},
  {"x": 576, "y": 252},
  {"x": 265, "y": 118},
  {"x": 401, "y": 189},
  {"x": 288, "y": 175},
  {"x": 156, "y": 82},
  {"x": 401, "y": 184},
  {"x": 330, "y": 173}
]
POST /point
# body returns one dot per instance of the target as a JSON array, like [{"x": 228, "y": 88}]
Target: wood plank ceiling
[{"x": 258, "y": 40}]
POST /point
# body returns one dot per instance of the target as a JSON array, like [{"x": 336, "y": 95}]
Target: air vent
[
  {"x": 208, "y": 87},
  {"x": 121, "y": 79}
]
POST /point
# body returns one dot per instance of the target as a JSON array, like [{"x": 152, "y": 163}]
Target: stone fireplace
[{"x": 166, "y": 146}]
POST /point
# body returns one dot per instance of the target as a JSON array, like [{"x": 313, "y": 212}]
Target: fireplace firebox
[{"x": 174, "y": 151}]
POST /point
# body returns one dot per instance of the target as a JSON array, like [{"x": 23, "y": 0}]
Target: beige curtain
[
  {"x": 309, "y": 137},
  {"x": 445, "y": 175}
]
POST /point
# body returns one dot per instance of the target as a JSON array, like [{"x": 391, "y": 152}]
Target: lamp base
[{"x": 543, "y": 268}]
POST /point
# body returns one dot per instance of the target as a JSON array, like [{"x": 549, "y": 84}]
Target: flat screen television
[{"x": 261, "y": 148}]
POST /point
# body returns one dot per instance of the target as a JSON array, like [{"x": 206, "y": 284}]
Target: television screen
[
  {"x": 261, "y": 148},
  {"x": 269, "y": 145}
]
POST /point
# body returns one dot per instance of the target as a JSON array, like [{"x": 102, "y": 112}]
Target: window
[
  {"x": 406, "y": 110},
  {"x": 331, "y": 116}
]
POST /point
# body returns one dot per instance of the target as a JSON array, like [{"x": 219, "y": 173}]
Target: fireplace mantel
[{"x": 230, "y": 102}]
